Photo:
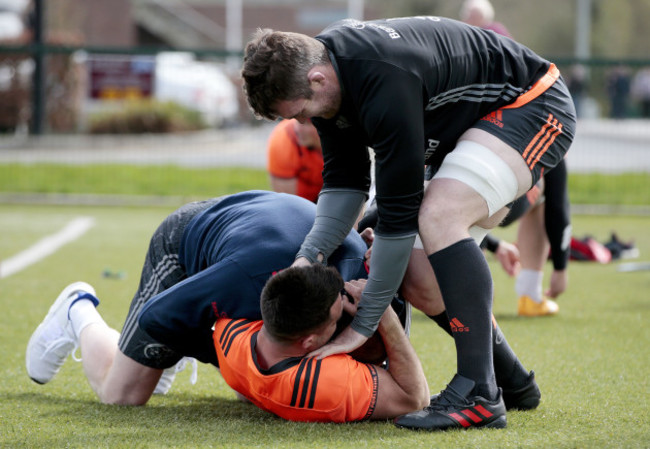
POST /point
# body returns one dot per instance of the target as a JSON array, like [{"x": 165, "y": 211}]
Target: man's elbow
[
  {"x": 414, "y": 402},
  {"x": 422, "y": 398}
]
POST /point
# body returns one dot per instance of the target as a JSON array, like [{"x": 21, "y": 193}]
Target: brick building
[{"x": 198, "y": 23}]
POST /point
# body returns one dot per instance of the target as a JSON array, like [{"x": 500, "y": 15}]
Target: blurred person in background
[
  {"x": 577, "y": 83},
  {"x": 540, "y": 221},
  {"x": 544, "y": 225},
  {"x": 480, "y": 13},
  {"x": 295, "y": 159},
  {"x": 641, "y": 91},
  {"x": 618, "y": 89}
]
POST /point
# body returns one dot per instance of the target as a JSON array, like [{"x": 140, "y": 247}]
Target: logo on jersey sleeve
[
  {"x": 431, "y": 148},
  {"x": 358, "y": 25},
  {"x": 342, "y": 122}
]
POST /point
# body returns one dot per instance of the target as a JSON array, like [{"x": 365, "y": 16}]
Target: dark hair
[
  {"x": 297, "y": 300},
  {"x": 276, "y": 65}
]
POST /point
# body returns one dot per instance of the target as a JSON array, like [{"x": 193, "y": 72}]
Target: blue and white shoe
[{"x": 54, "y": 339}]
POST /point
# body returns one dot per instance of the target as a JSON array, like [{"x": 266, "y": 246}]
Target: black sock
[
  {"x": 509, "y": 371},
  {"x": 466, "y": 286},
  {"x": 442, "y": 321}
]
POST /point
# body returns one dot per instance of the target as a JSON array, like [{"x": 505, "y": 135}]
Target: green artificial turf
[{"x": 591, "y": 360}]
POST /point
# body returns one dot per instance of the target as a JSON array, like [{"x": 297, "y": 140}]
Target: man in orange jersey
[
  {"x": 295, "y": 159},
  {"x": 267, "y": 361}
]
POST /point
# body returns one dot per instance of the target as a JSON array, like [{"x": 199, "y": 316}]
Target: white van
[{"x": 198, "y": 85}]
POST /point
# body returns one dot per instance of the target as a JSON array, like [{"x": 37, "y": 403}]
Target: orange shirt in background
[{"x": 288, "y": 159}]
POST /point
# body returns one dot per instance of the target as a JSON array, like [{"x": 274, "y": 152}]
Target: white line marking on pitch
[{"x": 46, "y": 246}]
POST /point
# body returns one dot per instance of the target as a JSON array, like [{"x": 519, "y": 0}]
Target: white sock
[
  {"x": 82, "y": 313},
  {"x": 529, "y": 283}
]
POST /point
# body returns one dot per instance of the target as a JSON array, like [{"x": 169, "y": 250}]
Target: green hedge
[
  {"x": 624, "y": 189},
  {"x": 146, "y": 116}
]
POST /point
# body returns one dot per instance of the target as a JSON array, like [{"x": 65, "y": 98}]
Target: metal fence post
[{"x": 38, "y": 80}]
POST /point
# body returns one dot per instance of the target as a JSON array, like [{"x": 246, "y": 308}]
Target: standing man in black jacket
[{"x": 486, "y": 113}]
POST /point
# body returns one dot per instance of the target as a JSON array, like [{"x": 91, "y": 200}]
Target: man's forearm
[
  {"x": 336, "y": 214},
  {"x": 403, "y": 363},
  {"x": 390, "y": 257}
]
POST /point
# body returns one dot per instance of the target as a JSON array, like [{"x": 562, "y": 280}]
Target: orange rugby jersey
[
  {"x": 333, "y": 389},
  {"x": 288, "y": 159}
]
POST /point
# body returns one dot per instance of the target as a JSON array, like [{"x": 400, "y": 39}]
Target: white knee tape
[
  {"x": 478, "y": 233},
  {"x": 476, "y": 166}
]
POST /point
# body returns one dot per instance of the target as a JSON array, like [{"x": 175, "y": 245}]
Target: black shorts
[
  {"x": 161, "y": 271},
  {"x": 541, "y": 129}
]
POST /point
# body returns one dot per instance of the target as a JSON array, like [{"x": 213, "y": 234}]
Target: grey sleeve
[
  {"x": 390, "y": 257},
  {"x": 336, "y": 213}
]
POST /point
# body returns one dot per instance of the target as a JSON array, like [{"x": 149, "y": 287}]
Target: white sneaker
[
  {"x": 54, "y": 340},
  {"x": 168, "y": 375}
]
